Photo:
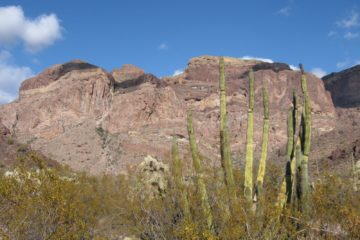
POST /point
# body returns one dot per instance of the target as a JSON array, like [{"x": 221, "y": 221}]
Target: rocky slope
[
  {"x": 96, "y": 121},
  {"x": 344, "y": 87}
]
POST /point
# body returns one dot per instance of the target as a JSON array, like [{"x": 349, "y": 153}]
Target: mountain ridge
[{"x": 96, "y": 121}]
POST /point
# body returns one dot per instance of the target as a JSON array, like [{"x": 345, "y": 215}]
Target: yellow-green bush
[{"x": 47, "y": 203}]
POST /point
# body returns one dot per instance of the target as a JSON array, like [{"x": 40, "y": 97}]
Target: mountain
[
  {"x": 96, "y": 121},
  {"x": 344, "y": 87}
]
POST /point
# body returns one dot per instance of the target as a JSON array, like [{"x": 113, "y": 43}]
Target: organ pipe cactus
[
  {"x": 295, "y": 156},
  {"x": 286, "y": 187},
  {"x": 293, "y": 143},
  {"x": 264, "y": 147},
  {"x": 298, "y": 150},
  {"x": 226, "y": 161},
  {"x": 306, "y": 142},
  {"x": 248, "y": 185},
  {"x": 201, "y": 188},
  {"x": 356, "y": 172},
  {"x": 182, "y": 197}
]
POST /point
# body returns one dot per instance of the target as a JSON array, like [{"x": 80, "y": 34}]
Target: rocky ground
[{"x": 95, "y": 121}]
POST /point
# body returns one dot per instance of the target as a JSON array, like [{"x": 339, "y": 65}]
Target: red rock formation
[
  {"x": 81, "y": 116},
  {"x": 3, "y": 130},
  {"x": 127, "y": 72}
]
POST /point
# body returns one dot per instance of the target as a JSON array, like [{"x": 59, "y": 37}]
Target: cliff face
[
  {"x": 94, "y": 121},
  {"x": 344, "y": 87}
]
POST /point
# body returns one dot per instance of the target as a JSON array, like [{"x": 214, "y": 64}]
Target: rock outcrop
[
  {"x": 54, "y": 73},
  {"x": 94, "y": 121},
  {"x": 344, "y": 87},
  {"x": 3, "y": 130},
  {"x": 127, "y": 72}
]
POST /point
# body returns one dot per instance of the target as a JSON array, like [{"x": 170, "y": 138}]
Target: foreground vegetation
[
  {"x": 204, "y": 203},
  {"x": 57, "y": 204}
]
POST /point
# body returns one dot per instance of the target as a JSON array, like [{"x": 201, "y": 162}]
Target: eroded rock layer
[{"x": 83, "y": 116}]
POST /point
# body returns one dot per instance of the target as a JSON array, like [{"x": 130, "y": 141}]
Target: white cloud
[
  {"x": 6, "y": 97},
  {"x": 351, "y": 35},
  {"x": 318, "y": 72},
  {"x": 342, "y": 64},
  {"x": 285, "y": 11},
  {"x": 351, "y": 21},
  {"x": 11, "y": 23},
  {"x": 294, "y": 68},
  {"x": 178, "y": 72},
  {"x": 36, "y": 33},
  {"x": 268, "y": 60},
  {"x": 163, "y": 46},
  {"x": 332, "y": 33},
  {"x": 11, "y": 76}
]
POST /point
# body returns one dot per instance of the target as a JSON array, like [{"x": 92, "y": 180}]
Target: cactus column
[
  {"x": 181, "y": 192},
  {"x": 248, "y": 192},
  {"x": 306, "y": 142},
  {"x": 264, "y": 147},
  {"x": 226, "y": 161},
  {"x": 201, "y": 188}
]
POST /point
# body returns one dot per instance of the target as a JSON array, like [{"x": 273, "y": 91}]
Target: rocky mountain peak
[
  {"x": 95, "y": 121},
  {"x": 53, "y": 73},
  {"x": 344, "y": 87},
  {"x": 127, "y": 72}
]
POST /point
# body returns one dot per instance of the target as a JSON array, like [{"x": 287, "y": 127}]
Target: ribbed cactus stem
[
  {"x": 356, "y": 172},
  {"x": 289, "y": 153},
  {"x": 306, "y": 143},
  {"x": 248, "y": 190},
  {"x": 201, "y": 188},
  {"x": 290, "y": 134},
  {"x": 226, "y": 161},
  {"x": 264, "y": 147},
  {"x": 282, "y": 197},
  {"x": 293, "y": 159},
  {"x": 177, "y": 171},
  {"x": 296, "y": 159}
]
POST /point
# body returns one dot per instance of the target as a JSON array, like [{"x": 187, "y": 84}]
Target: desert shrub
[
  {"x": 10, "y": 141},
  {"x": 56, "y": 203}
]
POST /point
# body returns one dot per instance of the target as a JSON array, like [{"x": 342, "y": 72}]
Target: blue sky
[{"x": 160, "y": 36}]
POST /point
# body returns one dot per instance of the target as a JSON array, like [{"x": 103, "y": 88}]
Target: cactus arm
[
  {"x": 248, "y": 190},
  {"x": 205, "y": 206},
  {"x": 226, "y": 161},
  {"x": 264, "y": 147},
  {"x": 178, "y": 177},
  {"x": 306, "y": 143},
  {"x": 281, "y": 199}
]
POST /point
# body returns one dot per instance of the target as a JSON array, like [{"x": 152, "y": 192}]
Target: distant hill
[
  {"x": 344, "y": 87},
  {"x": 96, "y": 121}
]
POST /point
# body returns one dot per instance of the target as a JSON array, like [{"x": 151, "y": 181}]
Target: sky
[{"x": 160, "y": 36}]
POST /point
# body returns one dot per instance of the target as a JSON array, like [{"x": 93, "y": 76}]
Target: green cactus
[
  {"x": 248, "y": 190},
  {"x": 290, "y": 134},
  {"x": 182, "y": 196},
  {"x": 201, "y": 188},
  {"x": 289, "y": 153},
  {"x": 355, "y": 172},
  {"x": 282, "y": 197},
  {"x": 264, "y": 147},
  {"x": 226, "y": 161},
  {"x": 292, "y": 145},
  {"x": 292, "y": 194},
  {"x": 294, "y": 156},
  {"x": 306, "y": 143}
]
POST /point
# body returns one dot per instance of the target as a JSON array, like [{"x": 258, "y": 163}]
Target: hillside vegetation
[{"x": 38, "y": 201}]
